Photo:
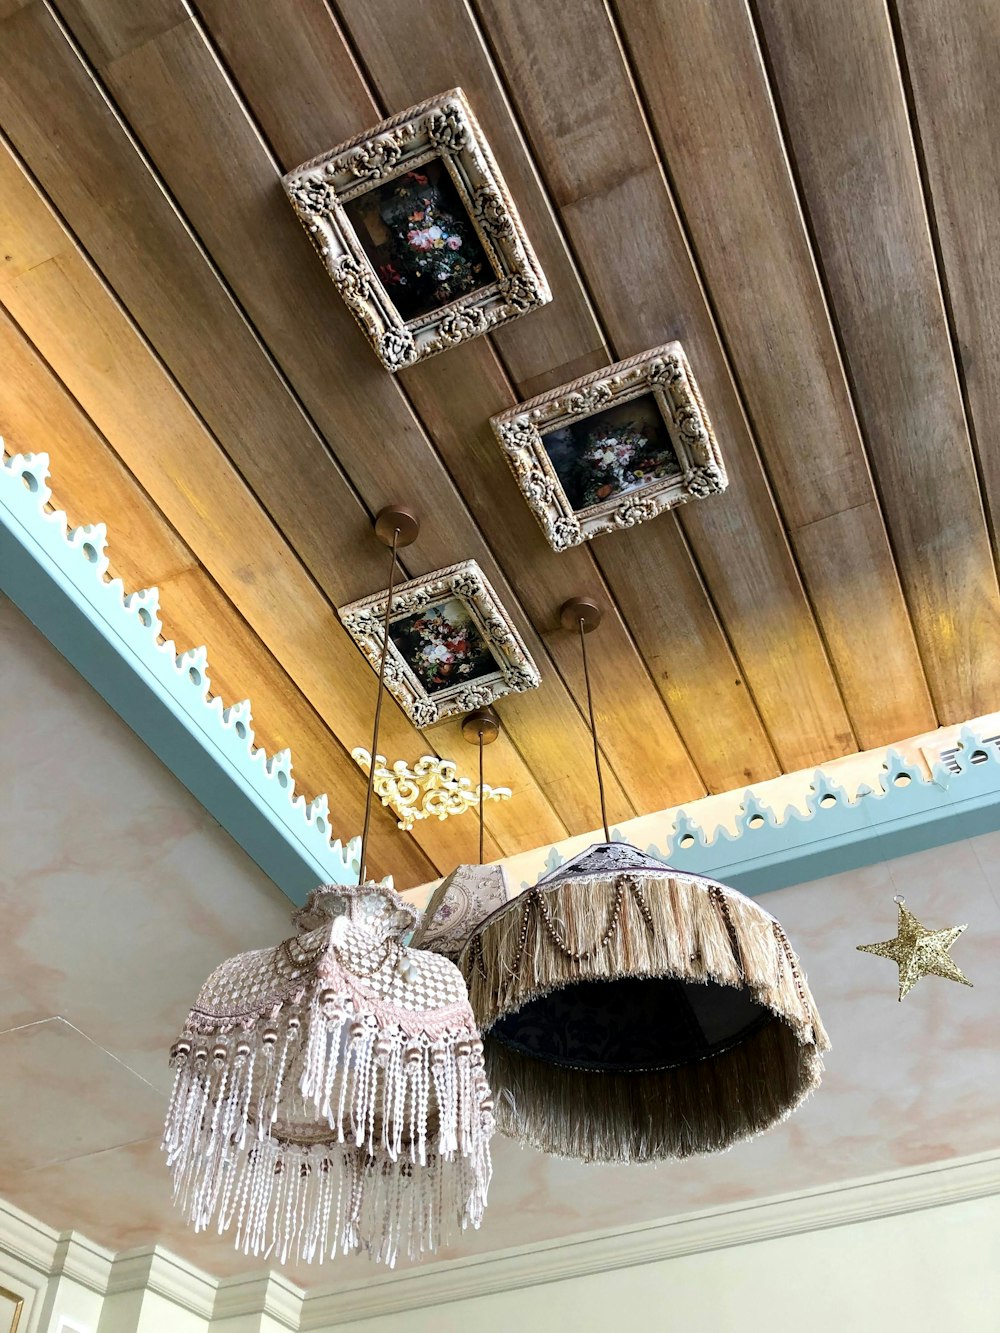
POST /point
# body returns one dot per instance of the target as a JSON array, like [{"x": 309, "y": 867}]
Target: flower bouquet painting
[
  {"x": 420, "y": 240},
  {"x": 614, "y": 448},
  {"x": 612, "y": 453},
  {"x": 452, "y": 646},
  {"x": 442, "y": 646},
  {"x": 414, "y": 224}
]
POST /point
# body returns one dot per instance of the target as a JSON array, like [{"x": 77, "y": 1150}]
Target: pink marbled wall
[{"x": 119, "y": 894}]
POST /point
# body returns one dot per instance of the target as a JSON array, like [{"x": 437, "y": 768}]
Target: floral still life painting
[
  {"x": 452, "y": 646},
  {"x": 415, "y": 225},
  {"x": 420, "y": 240},
  {"x": 614, "y": 448},
  {"x": 612, "y": 453},
  {"x": 443, "y": 646}
]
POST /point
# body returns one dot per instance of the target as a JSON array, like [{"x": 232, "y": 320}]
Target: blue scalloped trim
[{"x": 58, "y": 577}]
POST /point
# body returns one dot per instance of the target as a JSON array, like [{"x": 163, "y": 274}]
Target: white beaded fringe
[{"x": 320, "y": 1131}]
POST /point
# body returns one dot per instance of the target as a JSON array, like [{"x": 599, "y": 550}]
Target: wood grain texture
[
  {"x": 707, "y": 732},
  {"x": 701, "y": 76},
  {"x": 454, "y": 397},
  {"x": 163, "y": 274},
  {"x": 951, "y": 54},
  {"x": 442, "y": 49},
  {"x": 187, "y": 340},
  {"x": 170, "y": 86},
  {"x": 92, "y": 485},
  {"x": 835, "y": 64},
  {"x": 71, "y": 319},
  {"x": 627, "y": 237}
]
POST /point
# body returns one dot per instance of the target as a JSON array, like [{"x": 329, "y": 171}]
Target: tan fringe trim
[{"x": 637, "y": 924}]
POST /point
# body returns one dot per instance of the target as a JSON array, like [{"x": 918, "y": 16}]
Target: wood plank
[
  {"x": 835, "y": 64},
  {"x": 648, "y": 736},
  {"x": 609, "y": 189},
  {"x": 171, "y": 86},
  {"x": 950, "y": 53},
  {"x": 91, "y": 485},
  {"x": 691, "y": 664},
  {"x": 71, "y": 319},
  {"x": 454, "y": 397},
  {"x": 81, "y": 151},
  {"x": 720, "y": 138},
  {"x": 441, "y": 50}
]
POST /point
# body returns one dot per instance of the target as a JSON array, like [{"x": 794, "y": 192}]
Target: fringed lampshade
[
  {"x": 330, "y": 1093},
  {"x": 460, "y": 903},
  {"x": 632, "y": 1012}
]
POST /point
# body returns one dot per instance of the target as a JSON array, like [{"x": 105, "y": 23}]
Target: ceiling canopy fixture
[
  {"x": 633, "y": 1012},
  {"x": 330, "y": 1093},
  {"x": 471, "y": 892}
]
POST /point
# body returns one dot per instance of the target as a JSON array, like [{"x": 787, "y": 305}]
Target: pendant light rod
[
  {"x": 584, "y": 615},
  {"x": 395, "y": 526},
  {"x": 481, "y": 727}
]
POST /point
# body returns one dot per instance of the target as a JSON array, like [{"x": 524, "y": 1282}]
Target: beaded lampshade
[
  {"x": 633, "y": 1012},
  {"x": 330, "y": 1093}
]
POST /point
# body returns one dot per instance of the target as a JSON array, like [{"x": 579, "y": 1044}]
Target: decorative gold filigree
[{"x": 431, "y": 789}]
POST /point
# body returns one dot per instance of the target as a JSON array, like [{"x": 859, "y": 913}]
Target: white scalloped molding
[
  {"x": 866, "y": 807},
  {"x": 58, "y": 576},
  {"x": 154, "y": 1269}
]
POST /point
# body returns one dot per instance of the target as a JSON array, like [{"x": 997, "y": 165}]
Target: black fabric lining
[{"x": 632, "y": 1024}]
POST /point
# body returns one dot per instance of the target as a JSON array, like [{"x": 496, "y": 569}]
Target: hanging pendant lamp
[
  {"x": 471, "y": 892},
  {"x": 330, "y": 1094},
  {"x": 633, "y": 1012}
]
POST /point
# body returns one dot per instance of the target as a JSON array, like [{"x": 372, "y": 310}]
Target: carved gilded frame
[
  {"x": 443, "y": 127},
  {"x": 515, "y": 671},
  {"x": 665, "y": 373}
]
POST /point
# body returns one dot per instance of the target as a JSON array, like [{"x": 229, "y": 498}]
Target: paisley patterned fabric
[{"x": 461, "y": 903}]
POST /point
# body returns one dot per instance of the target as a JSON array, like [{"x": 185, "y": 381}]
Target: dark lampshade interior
[{"x": 632, "y": 1024}]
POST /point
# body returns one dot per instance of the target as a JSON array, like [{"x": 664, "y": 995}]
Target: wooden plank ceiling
[{"x": 807, "y": 195}]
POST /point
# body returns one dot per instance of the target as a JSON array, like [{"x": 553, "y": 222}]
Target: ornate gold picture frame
[
  {"x": 614, "y": 448},
  {"x": 418, "y": 232},
  {"x": 452, "y": 646}
]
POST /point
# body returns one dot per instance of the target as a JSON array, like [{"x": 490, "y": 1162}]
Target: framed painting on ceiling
[
  {"x": 452, "y": 646},
  {"x": 614, "y": 448},
  {"x": 418, "y": 232}
]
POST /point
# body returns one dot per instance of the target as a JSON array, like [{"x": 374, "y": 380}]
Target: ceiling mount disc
[
  {"x": 395, "y": 518},
  {"x": 481, "y": 722},
  {"x": 579, "y": 609}
]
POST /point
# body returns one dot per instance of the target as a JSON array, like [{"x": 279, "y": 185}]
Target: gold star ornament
[{"x": 919, "y": 952}]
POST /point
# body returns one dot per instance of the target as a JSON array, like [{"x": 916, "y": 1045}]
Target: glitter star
[{"x": 919, "y": 952}]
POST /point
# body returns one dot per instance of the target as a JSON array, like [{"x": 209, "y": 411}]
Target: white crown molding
[
  {"x": 269, "y": 1293},
  {"x": 54, "y": 1253},
  {"x": 555, "y": 1261},
  {"x": 186, "y": 1286},
  {"x": 81, "y": 1260},
  {"x": 159, "y": 1271},
  {"x": 27, "y": 1239}
]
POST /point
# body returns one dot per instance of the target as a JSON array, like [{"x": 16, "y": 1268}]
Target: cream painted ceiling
[
  {"x": 118, "y": 894},
  {"x": 807, "y": 195}
]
